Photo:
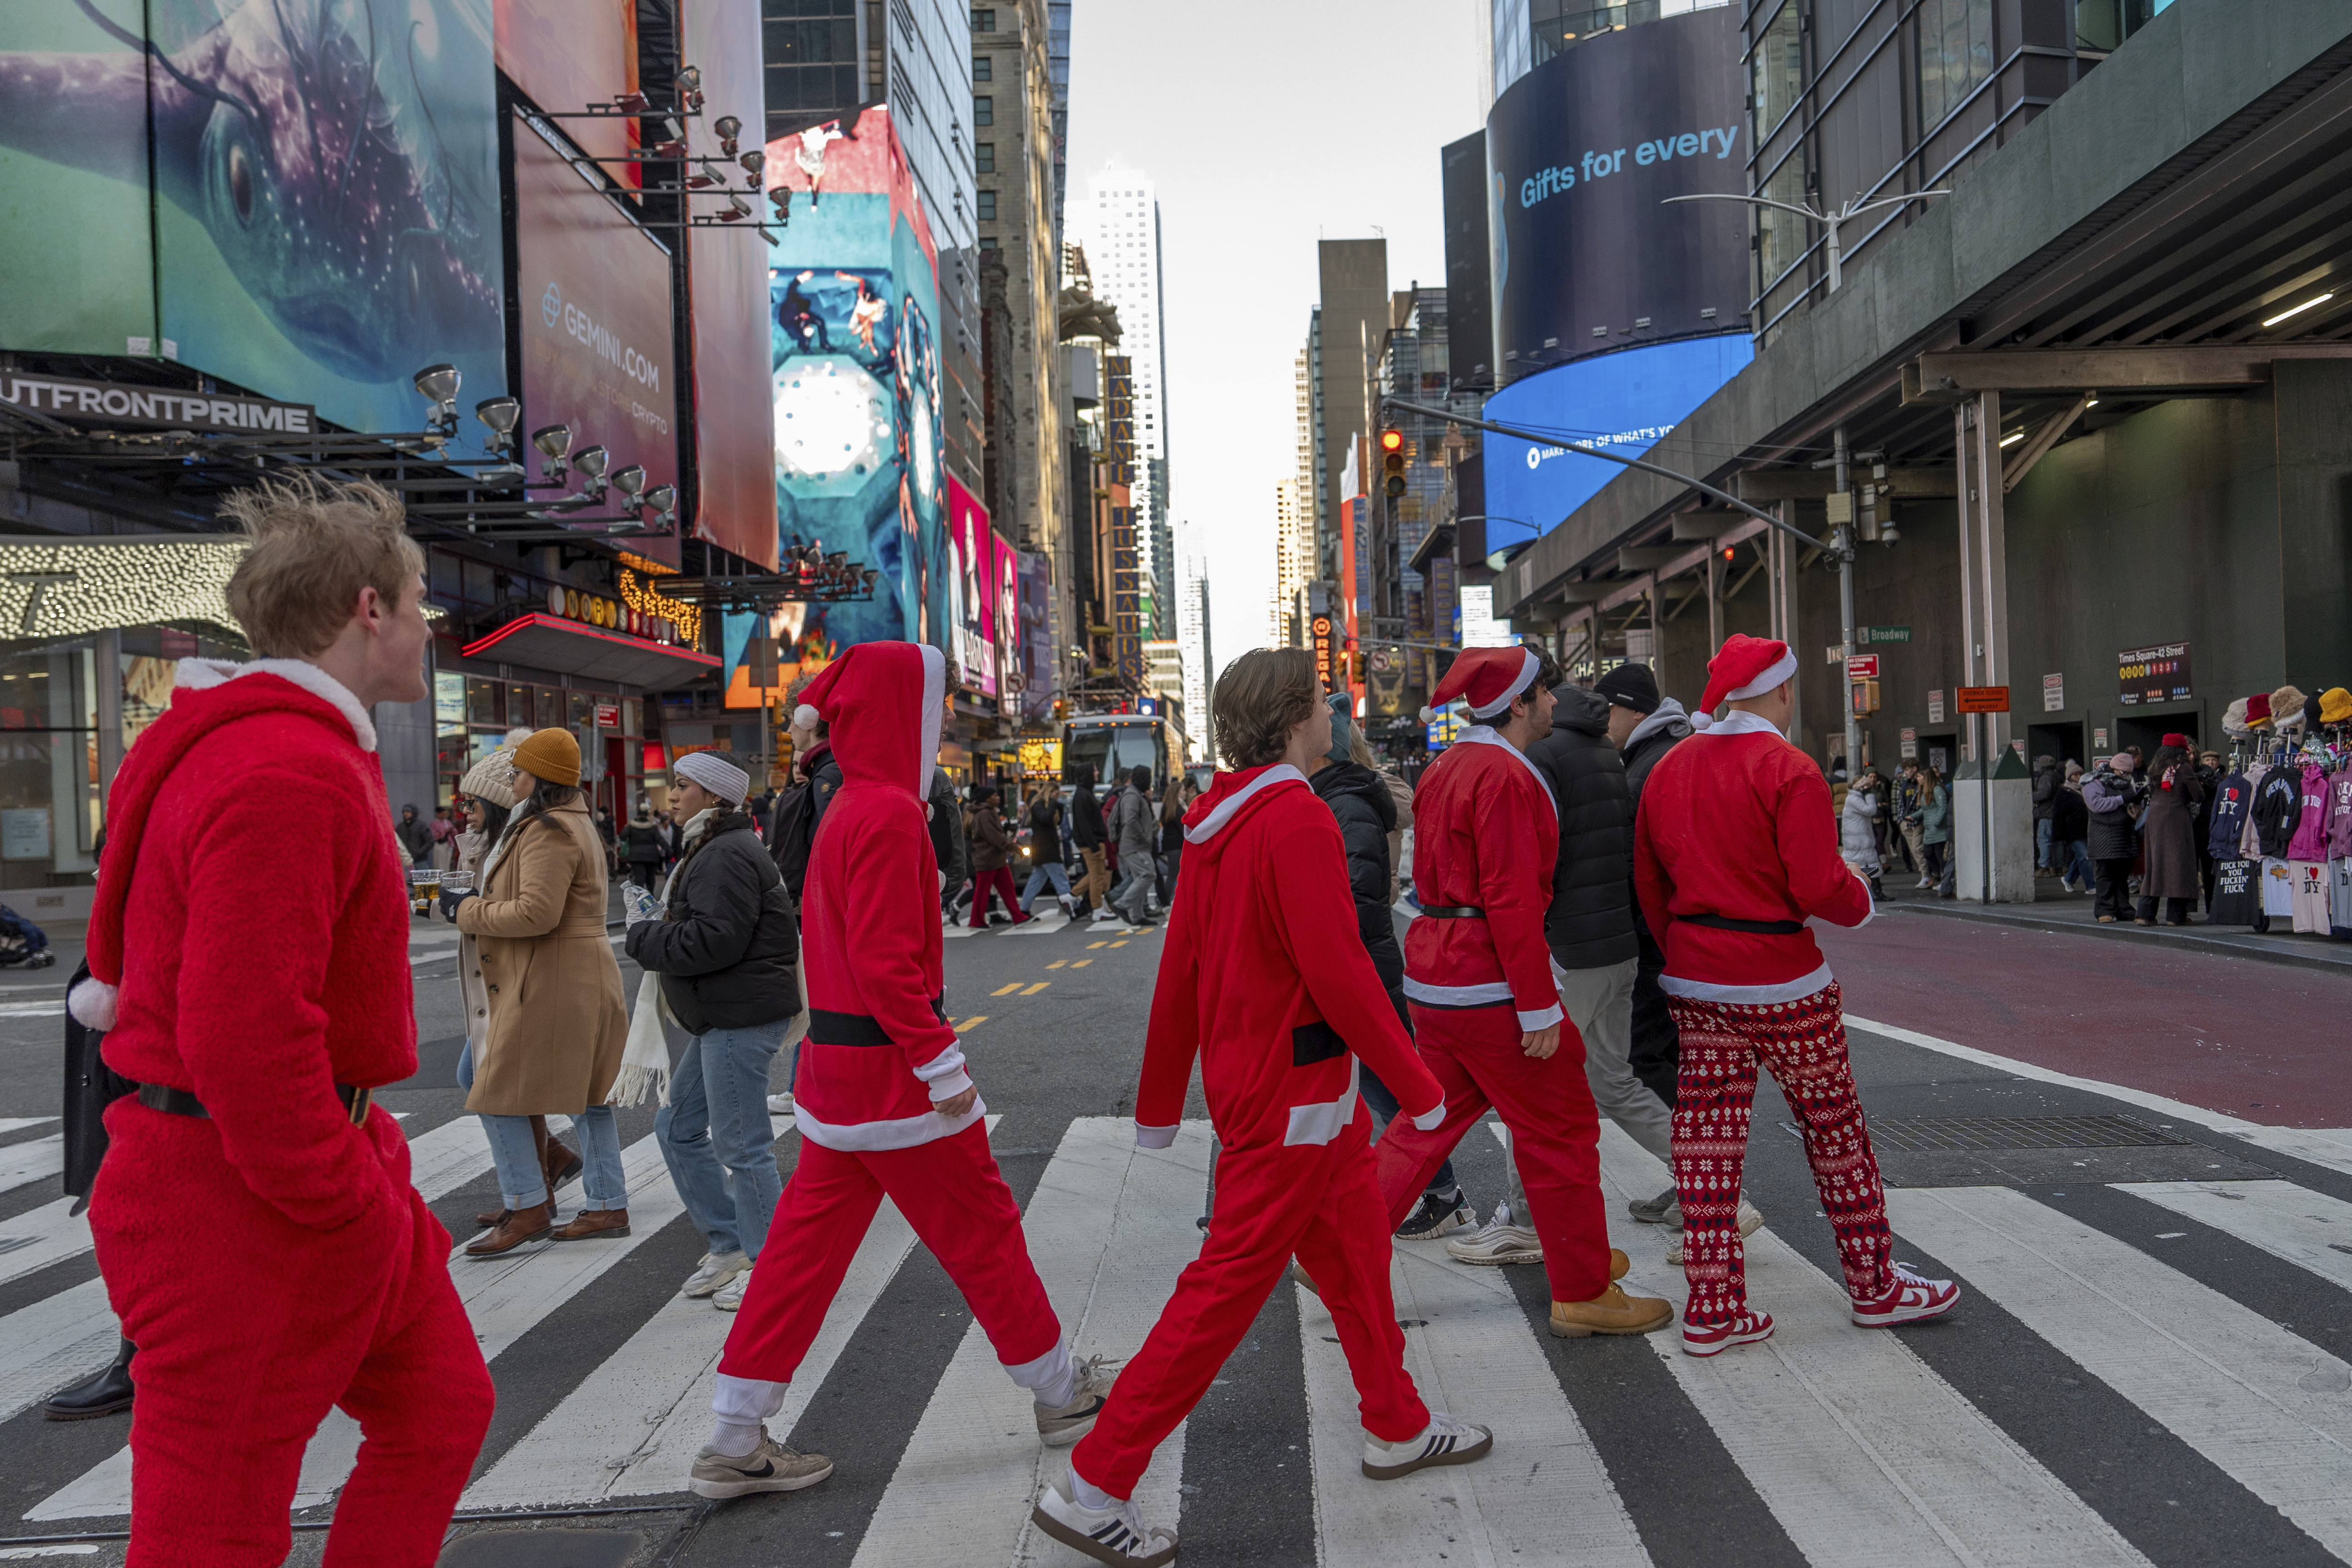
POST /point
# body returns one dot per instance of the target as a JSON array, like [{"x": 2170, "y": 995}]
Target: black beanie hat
[{"x": 1630, "y": 685}]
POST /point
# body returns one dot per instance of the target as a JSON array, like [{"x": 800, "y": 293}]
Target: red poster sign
[
  {"x": 1862, "y": 667},
  {"x": 1984, "y": 699}
]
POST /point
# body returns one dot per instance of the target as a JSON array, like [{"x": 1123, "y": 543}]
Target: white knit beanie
[
  {"x": 714, "y": 773},
  {"x": 491, "y": 779}
]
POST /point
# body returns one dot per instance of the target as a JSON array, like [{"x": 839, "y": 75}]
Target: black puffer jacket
[
  {"x": 1360, "y": 798},
  {"x": 728, "y": 944},
  {"x": 1590, "y": 922}
]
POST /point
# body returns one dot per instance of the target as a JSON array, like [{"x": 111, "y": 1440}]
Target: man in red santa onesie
[
  {"x": 253, "y": 1219},
  {"x": 1254, "y": 984},
  {"x": 881, "y": 1098},
  {"x": 1735, "y": 847},
  {"x": 1486, "y": 1012}
]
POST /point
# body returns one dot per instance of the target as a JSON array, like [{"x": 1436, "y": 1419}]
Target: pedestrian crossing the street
[{"x": 1849, "y": 1439}]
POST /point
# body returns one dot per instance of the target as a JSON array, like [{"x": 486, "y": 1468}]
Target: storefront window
[
  {"x": 48, "y": 764},
  {"x": 550, "y": 708},
  {"x": 482, "y": 701},
  {"x": 450, "y": 760}
]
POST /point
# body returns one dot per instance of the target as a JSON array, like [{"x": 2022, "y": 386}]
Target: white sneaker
[
  {"x": 1444, "y": 1441},
  {"x": 779, "y": 1105},
  {"x": 1497, "y": 1242},
  {"x": 729, "y": 1295},
  {"x": 1115, "y": 1535},
  {"x": 714, "y": 1270},
  {"x": 1751, "y": 1220},
  {"x": 1061, "y": 1426},
  {"x": 770, "y": 1467},
  {"x": 1925, "y": 882},
  {"x": 1104, "y": 914}
]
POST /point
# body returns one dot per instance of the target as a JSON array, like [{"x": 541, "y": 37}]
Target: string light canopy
[{"x": 66, "y": 588}]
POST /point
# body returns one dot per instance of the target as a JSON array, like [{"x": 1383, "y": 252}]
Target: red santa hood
[
  {"x": 211, "y": 693},
  {"x": 1230, "y": 797},
  {"x": 881, "y": 703}
]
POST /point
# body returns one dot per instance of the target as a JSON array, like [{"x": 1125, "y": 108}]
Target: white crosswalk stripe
[
  {"x": 31, "y": 1161},
  {"x": 1848, "y": 1437},
  {"x": 2233, "y": 1385}
]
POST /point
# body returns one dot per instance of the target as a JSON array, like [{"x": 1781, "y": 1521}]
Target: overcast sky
[{"x": 1268, "y": 124}]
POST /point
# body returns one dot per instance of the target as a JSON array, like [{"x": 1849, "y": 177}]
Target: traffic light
[
  {"x": 1392, "y": 461},
  {"x": 1865, "y": 698}
]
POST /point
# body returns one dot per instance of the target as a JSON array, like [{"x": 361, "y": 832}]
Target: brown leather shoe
[
  {"x": 519, "y": 1226},
  {"x": 1618, "y": 1264},
  {"x": 592, "y": 1223},
  {"x": 562, "y": 1164},
  {"x": 1611, "y": 1312},
  {"x": 493, "y": 1218}
]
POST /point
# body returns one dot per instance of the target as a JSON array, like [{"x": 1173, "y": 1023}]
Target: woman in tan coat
[{"x": 557, "y": 1024}]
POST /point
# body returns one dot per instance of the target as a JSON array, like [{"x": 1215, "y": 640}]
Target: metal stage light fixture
[{"x": 630, "y": 482}]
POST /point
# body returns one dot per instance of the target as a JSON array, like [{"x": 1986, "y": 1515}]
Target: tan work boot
[{"x": 1611, "y": 1312}]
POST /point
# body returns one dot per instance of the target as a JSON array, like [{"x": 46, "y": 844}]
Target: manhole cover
[{"x": 1920, "y": 1133}]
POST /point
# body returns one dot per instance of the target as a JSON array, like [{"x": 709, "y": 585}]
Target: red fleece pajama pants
[
  {"x": 1313, "y": 1202},
  {"x": 949, "y": 1189},
  {"x": 1803, "y": 1044},
  {"x": 250, "y": 1328},
  {"x": 1474, "y": 1055}
]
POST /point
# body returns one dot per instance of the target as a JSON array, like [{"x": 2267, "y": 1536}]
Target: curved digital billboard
[
  {"x": 1582, "y": 155},
  {"x": 1624, "y": 401}
]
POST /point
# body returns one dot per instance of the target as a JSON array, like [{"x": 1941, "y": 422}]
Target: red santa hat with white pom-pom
[
  {"x": 1742, "y": 667},
  {"x": 1488, "y": 678}
]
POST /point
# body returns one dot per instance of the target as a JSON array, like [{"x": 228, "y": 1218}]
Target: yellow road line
[
  {"x": 1080, "y": 962},
  {"x": 1093, "y": 944},
  {"x": 1034, "y": 989},
  {"x": 1119, "y": 943},
  {"x": 1006, "y": 990},
  {"x": 1057, "y": 964},
  {"x": 972, "y": 1022}
]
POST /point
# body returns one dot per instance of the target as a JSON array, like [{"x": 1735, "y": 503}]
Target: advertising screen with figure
[
  {"x": 594, "y": 323},
  {"x": 854, "y": 376},
  {"x": 324, "y": 185},
  {"x": 972, "y": 595},
  {"x": 1037, "y": 685}
]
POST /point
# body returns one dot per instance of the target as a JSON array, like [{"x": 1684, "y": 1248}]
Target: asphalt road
[{"x": 2149, "y": 1364}]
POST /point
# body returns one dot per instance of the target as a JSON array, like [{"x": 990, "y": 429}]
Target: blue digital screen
[{"x": 1625, "y": 401}]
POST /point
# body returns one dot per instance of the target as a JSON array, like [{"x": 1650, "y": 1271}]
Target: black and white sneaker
[
  {"x": 1444, "y": 1441},
  {"x": 1665, "y": 1209},
  {"x": 1115, "y": 1535},
  {"x": 770, "y": 1467},
  {"x": 1061, "y": 1426},
  {"x": 1434, "y": 1216}
]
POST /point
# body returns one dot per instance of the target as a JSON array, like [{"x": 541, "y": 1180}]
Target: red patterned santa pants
[{"x": 1803, "y": 1043}]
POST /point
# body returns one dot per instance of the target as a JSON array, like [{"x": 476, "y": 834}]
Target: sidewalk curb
[{"x": 2137, "y": 933}]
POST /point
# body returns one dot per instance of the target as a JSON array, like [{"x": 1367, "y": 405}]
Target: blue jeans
[
  {"x": 1048, "y": 873},
  {"x": 514, "y": 1152},
  {"x": 716, "y": 1126},
  {"x": 2041, "y": 844},
  {"x": 2079, "y": 870}
]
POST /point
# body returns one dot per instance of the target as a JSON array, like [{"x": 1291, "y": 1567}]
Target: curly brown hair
[
  {"x": 315, "y": 543},
  {"x": 1261, "y": 697}
]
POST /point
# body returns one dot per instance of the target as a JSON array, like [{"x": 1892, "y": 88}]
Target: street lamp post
[{"x": 1828, "y": 220}]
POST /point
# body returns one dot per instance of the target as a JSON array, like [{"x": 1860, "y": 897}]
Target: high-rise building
[
  {"x": 1193, "y": 640},
  {"x": 1523, "y": 33},
  {"x": 919, "y": 63},
  {"x": 1025, "y": 471},
  {"x": 1294, "y": 564},
  {"x": 1057, "y": 21},
  {"x": 1122, "y": 241},
  {"x": 1349, "y": 324}
]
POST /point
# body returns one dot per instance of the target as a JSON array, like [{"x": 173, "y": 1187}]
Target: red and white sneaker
[
  {"x": 1747, "y": 1329},
  {"x": 1909, "y": 1299}
]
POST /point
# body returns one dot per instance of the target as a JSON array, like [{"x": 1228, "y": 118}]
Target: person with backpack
[
  {"x": 992, "y": 854},
  {"x": 641, "y": 847},
  {"x": 1045, "y": 867},
  {"x": 727, "y": 948},
  {"x": 1133, "y": 826}
]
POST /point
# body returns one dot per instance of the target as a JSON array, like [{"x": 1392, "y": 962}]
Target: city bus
[{"x": 1116, "y": 743}]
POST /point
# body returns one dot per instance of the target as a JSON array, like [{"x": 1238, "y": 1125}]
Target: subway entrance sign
[{"x": 1984, "y": 699}]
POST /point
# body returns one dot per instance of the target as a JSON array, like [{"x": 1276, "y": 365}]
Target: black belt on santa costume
[
  {"x": 1453, "y": 912},
  {"x": 828, "y": 1028},
  {"x": 1754, "y": 928},
  {"x": 180, "y": 1102}
]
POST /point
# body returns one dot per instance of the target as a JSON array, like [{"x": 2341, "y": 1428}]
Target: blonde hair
[
  {"x": 1258, "y": 700},
  {"x": 315, "y": 543}
]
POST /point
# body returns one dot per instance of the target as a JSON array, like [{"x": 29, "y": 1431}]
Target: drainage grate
[{"x": 1918, "y": 1134}]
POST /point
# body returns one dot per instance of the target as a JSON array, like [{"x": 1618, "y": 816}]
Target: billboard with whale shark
[{"x": 324, "y": 217}]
